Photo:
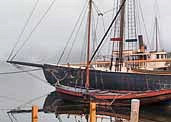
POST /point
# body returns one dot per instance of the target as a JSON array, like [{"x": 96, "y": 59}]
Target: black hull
[{"x": 106, "y": 80}]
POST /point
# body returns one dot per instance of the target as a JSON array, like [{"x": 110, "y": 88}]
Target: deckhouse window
[
  {"x": 162, "y": 56},
  {"x": 165, "y": 56},
  {"x": 157, "y": 56},
  {"x": 145, "y": 57}
]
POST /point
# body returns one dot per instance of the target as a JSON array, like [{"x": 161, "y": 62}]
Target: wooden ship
[{"x": 129, "y": 74}]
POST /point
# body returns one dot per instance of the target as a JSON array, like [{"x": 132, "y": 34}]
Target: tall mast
[
  {"x": 88, "y": 46},
  {"x": 122, "y": 24},
  {"x": 156, "y": 22}
]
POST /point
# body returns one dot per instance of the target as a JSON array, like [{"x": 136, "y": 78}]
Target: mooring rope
[{"x": 16, "y": 72}]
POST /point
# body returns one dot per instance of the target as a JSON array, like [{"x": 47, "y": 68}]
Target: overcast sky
[{"x": 53, "y": 32}]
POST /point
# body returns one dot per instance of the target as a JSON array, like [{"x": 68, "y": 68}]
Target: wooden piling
[
  {"x": 35, "y": 113},
  {"x": 92, "y": 112},
  {"x": 135, "y": 104}
]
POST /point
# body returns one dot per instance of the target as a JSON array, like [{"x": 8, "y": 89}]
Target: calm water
[{"x": 24, "y": 90}]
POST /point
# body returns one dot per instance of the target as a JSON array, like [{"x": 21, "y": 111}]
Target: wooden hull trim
[{"x": 110, "y": 98}]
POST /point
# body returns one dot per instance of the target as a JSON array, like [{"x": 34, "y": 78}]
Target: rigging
[
  {"x": 143, "y": 21},
  {"x": 75, "y": 37},
  {"x": 107, "y": 31},
  {"x": 71, "y": 35},
  {"x": 23, "y": 29},
  {"x": 34, "y": 29},
  {"x": 16, "y": 72}
]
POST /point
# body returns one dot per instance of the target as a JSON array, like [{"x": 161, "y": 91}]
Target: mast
[
  {"x": 122, "y": 24},
  {"x": 156, "y": 22},
  {"x": 88, "y": 46}
]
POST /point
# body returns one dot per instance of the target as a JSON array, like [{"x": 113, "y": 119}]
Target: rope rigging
[
  {"x": 71, "y": 35},
  {"x": 18, "y": 108},
  {"x": 132, "y": 29},
  {"x": 34, "y": 29},
  {"x": 30, "y": 101},
  {"x": 16, "y": 72},
  {"x": 28, "y": 71},
  {"x": 76, "y": 36},
  {"x": 83, "y": 53},
  {"x": 94, "y": 29},
  {"x": 115, "y": 30},
  {"x": 156, "y": 28},
  {"x": 107, "y": 30},
  {"x": 100, "y": 15},
  {"x": 11, "y": 117},
  {"x": 23, "y": 29},
  {"x": 94, "y": 36},
  {"x": 143, "y": 22},
  {"x": 33, "y": 75},
  {"x": 156, "y": 35}
]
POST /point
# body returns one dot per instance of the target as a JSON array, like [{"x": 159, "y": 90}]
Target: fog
[{"x": 47, "y": 42}]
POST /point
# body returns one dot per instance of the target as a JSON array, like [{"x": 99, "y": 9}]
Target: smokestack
[{"x": 141, "y": 43}]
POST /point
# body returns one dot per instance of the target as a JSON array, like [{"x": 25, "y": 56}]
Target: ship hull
[
  {"x": 114, "y": 88},
  {"x": 106, "y": 80}
]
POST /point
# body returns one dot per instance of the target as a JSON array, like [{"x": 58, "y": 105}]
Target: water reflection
[
  {"x": 53, "y": 104},
  {"x": 70, "y": 112},
  {"x": 80, "y": 112}
]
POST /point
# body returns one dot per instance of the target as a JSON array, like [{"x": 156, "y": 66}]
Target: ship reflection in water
[{"x": 80, "y": 112}]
